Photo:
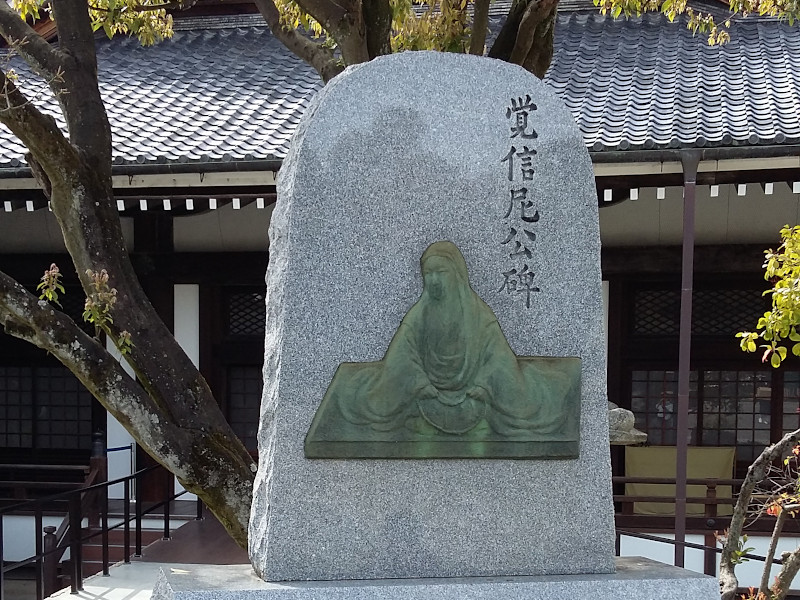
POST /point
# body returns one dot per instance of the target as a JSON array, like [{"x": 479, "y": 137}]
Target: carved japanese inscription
[
  {"x": 449, "y": 386},
  {"x": 521, "y": 217}
]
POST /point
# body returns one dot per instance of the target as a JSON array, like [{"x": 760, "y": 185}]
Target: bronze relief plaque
[{"x": 449, "y": 386}]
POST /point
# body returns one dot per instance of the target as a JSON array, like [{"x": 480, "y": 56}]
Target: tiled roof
[
  {"x": 223, "y": 89},
  {"x": 650, "y": 84},
  {"x": 226, "y": 91}
]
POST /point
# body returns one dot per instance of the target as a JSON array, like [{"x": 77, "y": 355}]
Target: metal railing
[{"x": 50, "y": 547}]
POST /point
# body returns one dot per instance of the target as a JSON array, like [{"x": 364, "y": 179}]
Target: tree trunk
[
  {"x": 526, "y": 38},
  {"x": 169, "y": 408}
]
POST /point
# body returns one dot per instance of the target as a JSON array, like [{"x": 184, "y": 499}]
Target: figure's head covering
[{"x": 449, "y": 251}]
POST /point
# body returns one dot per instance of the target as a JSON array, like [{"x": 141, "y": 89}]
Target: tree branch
[
  {"x": 37, "y": 52},
  {"x": 533, "y": 47},
  {"x": 38, "y": 131},
  {"x": 328, "y": 12},
  {"x": 504, "y": 43},
  {"x": 79, "y": 95},
  {"x": 783, "y": 581},
  {"x": 773, "y": 545},
  {"x": 344, "y": 22},
  {"x": 319, "y": 57},
  {"x": 35, "y": 321},
  {"x": 378, "y": 16},
  {"x": 480, "y": 25},
  {"x": 205, "y": 460}
]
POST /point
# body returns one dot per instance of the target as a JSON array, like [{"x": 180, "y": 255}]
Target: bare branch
[
  {"x": 728, "y": 581},
  {"x": 773, "y": 544},
  {"x": 344, "y": 21},
  {"x": 319, "y": 57},
  {"x": 37, "y": 52}
]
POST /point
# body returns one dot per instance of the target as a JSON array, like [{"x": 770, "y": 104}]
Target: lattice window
[
  {"x": 725, "y": 312},
  {"x": 16, "y": 407},
  {"x": 717, "y": 312},
  {"x": 244, "y": 401},
  {"x": 657, "y": 312},
  {"x": 246, "y": 313},
  {"x": 791, "y": 401},
  {"x": 654, "y": 401},
  {"x": 63, "y": 410},
  {"x": 737, "y": 411},
  {"x": 44, "y": 407},
  {"x": 726, "y": 408}
]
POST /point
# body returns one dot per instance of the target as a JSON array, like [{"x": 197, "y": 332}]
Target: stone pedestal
[{"x": 635, "y": 579}]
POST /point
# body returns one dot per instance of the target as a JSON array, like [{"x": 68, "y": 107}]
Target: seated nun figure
[{"x": 449, "y": 376}]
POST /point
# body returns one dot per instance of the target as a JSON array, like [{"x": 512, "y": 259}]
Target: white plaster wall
[
  {"x": 748, "y": 573},
  {"x": 187, "y": 334},
  {"x": 19, "y": 541},
  {"x": 19, "y": 535},
  {"x": 223, "y": 230},
  {"x": 726, "y": 219},
  {"x": 27, "y": 232},
  {"x": 605, "y": 316},
  {"x": 120, "y": 463}
]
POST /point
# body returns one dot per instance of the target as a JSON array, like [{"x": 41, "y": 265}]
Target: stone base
[{"x": 636, "y": 579}]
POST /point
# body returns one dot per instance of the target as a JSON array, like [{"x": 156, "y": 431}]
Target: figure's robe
[{"x": 448, "y": 384}]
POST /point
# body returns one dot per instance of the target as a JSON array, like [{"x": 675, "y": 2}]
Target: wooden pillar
[
  {"x": 689, "y": 161},
  {"x": 152, "y": 239}
]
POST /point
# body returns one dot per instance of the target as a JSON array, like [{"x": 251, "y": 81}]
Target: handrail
[
  {"x": 62, "y": 495},
  {"x": 655, "y": 538},
  {"x": 37, "y": 467},
  {"x": 76, "y": 540},
  {"x": 671, "y": 480},
  {"x": 63, "y": 529}
]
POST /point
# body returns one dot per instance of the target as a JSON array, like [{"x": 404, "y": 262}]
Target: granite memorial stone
[{"x": 391, "y": 157}]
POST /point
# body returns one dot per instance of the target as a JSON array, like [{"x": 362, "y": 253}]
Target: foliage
[
  {"x": 698, "y": 22},
  {"x": 146, "y": 19},
  {"x": 50, "y": 285},
  {"x": 441, "y": 25},
  {"x": 782, "y": 270},
  {"x": 753, "y": 594},
  {"x": 741, "y": 552},
  {"x": 98, "y": 306}
]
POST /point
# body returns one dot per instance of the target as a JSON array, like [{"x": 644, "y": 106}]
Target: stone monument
[{"x": 392, "y": 158}]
